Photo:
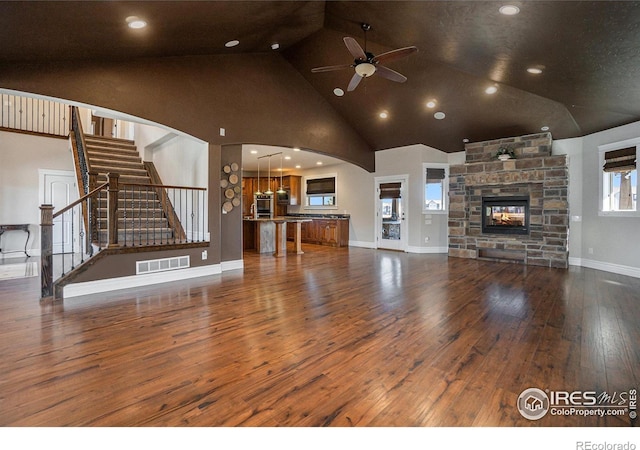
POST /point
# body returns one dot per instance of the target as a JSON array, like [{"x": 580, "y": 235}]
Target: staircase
[{"x": 141, "y": 219}]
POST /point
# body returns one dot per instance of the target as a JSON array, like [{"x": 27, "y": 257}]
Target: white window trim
[
  {"x": 304, "y": 193},
  {"x": 602, "y": 149},
  {"x": 445, "y": 193}
]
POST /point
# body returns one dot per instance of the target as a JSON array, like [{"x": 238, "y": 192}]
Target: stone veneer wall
[{"x": 533, "y": 172}]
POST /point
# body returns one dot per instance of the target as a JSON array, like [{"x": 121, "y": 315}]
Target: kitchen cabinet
[
  {"x": 293, "y": 183},
  {"x": 324, "y": 231}
]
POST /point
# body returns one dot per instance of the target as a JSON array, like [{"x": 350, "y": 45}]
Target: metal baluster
[
  {"x": 140, "y": 215},
  {"x": 172, "y": 208},
  {"x": 183, "y": 214},
  {"x": 98, "y": 221},
  {"x": 146, "y": 216},
  {"x": 73, "y": 262},
  {"x": 62, "y": 239},
  {"x": 124, "y": 214},
  {"x": 203, "y": 204},
  {"x": 83, "y": 242},
  {"x": 192, "y": 214},
  {"x": 153, "y": 221}
]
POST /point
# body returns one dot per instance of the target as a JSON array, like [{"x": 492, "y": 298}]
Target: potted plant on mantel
[{"x": 505, "y": 153}]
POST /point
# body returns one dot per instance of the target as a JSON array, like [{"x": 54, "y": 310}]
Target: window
[
  {"x": 619, "y": 183},
  {"x": 435, "y": 188},
  {"x": 321, "y": 192}
]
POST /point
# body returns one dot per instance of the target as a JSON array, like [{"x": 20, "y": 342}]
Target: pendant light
[
  {"x": 258, "y": 191},
  {"x": 281, "y": 190},
  {"x": 269, "y": 191}
]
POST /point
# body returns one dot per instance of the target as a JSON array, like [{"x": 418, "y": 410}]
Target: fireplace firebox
[{"x": 505, "y": 215}]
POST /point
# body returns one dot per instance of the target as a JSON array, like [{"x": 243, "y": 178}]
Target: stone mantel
[{"x": 534, "y": 173}]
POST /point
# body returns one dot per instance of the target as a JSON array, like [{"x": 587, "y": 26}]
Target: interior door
[
  {"x": 390, "y": 215},
  {"x": 59, "y": 190}
]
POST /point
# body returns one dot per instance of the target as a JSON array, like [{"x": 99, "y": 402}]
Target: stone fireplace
[{"x": 514, "y": 210}]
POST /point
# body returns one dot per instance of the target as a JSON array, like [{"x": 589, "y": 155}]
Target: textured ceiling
[{"x": 589, "y": 52}]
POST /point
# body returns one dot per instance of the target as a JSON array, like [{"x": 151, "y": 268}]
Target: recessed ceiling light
[
  {"x": 338, "y": 92},
  {"x": 534, "y": 70},
  {"x": 254, "y": 152},
  {"x": 465, "y": 140},
  {"x": 439, "y": 115},
  {"x": 232, "y": 43},
  {"x": 319, "y": 163},
  {"x": 509, "y": 10},
  {"x": 275, "y": 46},
  {"x": 296, "y": 149},
  {"x": 491, "y": 89},
  {"x": 135, "y": 22},
  {"x": 383, "y": 115},
  {"x": 431, "y": 104},
  {"x": 545, "y": 128},
  {"x": 298, "y": 166},
  {"x": 287, "y": 157}
]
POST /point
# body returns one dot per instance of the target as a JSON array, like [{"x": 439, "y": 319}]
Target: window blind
[
  {"x": 623, "y": 160},
  {"x": 435, "y": 175},
  {"x": 390, "y": 190},
  {"x": 321, "y": 186}
]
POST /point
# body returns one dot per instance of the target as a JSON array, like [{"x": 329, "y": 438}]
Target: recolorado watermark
[
  {"x": 589, "y": 445},
  {"x": 534, "y": 404}
]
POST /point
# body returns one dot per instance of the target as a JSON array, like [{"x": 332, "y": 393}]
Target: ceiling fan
[{"x": 366, "y": 64}]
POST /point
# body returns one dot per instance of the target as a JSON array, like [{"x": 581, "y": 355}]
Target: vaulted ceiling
[{"x": 588, "y": 51}]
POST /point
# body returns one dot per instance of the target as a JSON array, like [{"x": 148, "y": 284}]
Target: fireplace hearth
[{"x": 505, "y": 215}]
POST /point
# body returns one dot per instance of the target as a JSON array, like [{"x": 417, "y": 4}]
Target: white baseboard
[
  {"x": 362, "y": 244},
  {"x": 232, "y": 265},
  {"x": 414, "y": 249},
  {"x": 605, "y": 266},
  {"x": 114, "y": 284}
]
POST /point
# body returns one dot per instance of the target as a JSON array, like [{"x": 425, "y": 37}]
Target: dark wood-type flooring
[{"x": 335, "y": 337}]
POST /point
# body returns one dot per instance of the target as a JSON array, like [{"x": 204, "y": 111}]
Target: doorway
[
  {"x": 391, "y": 213},
  {"x": 58, "y": 188}
]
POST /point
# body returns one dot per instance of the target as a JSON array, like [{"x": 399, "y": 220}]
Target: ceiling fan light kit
[{"x": 366, "y": 64}]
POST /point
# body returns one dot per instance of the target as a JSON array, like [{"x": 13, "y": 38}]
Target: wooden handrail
[{"x": 81, "y": 199}]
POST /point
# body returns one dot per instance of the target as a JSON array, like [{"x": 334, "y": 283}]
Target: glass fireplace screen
[{"x": 505, "y": 215}]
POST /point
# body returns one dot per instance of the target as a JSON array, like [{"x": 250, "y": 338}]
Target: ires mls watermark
[{"x": 534, "y": 403}]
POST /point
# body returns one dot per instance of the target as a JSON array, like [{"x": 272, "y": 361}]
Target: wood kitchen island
[
  {"x": 265, "y": 235},
  {"x": 269, "y": 235}
]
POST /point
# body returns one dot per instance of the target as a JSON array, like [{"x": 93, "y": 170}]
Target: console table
[{"x": 20, "y": 227}]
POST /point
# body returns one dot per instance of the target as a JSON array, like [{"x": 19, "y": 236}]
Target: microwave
[{"x": 283, "y": 198}]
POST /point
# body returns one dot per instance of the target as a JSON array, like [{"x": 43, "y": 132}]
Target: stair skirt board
[{"x": 148, "y": 279}]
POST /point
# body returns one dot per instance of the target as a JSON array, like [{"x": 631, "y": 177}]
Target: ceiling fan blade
[
  {"x": 389, "y": 74},
  {"x": 395, "y": 54},
  {"x": 331, "y": 68},
  {"x": 354, "y": 48},
  {"x": 355, "y": 80}
]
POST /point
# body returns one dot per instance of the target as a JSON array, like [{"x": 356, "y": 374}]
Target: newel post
[
  {"x": 46, "y": 252},
  {"x": 112, "y": 210}
]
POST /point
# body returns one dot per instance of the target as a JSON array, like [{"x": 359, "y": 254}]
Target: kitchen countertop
[{"x": 278, "y": 219}]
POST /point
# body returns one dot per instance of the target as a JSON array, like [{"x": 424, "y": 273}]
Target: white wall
[
  {"x": 22, "y": 156},
  {"x": 180, "y": 161},
  {"x": 615, "y": 240},
  {"x": 573, "y": 149}
]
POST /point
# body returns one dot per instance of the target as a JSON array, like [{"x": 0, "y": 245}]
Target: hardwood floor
[{"x": 335, "y": 337}]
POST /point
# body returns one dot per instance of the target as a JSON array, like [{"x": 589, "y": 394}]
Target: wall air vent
[{"x": 162, "y": 265}]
